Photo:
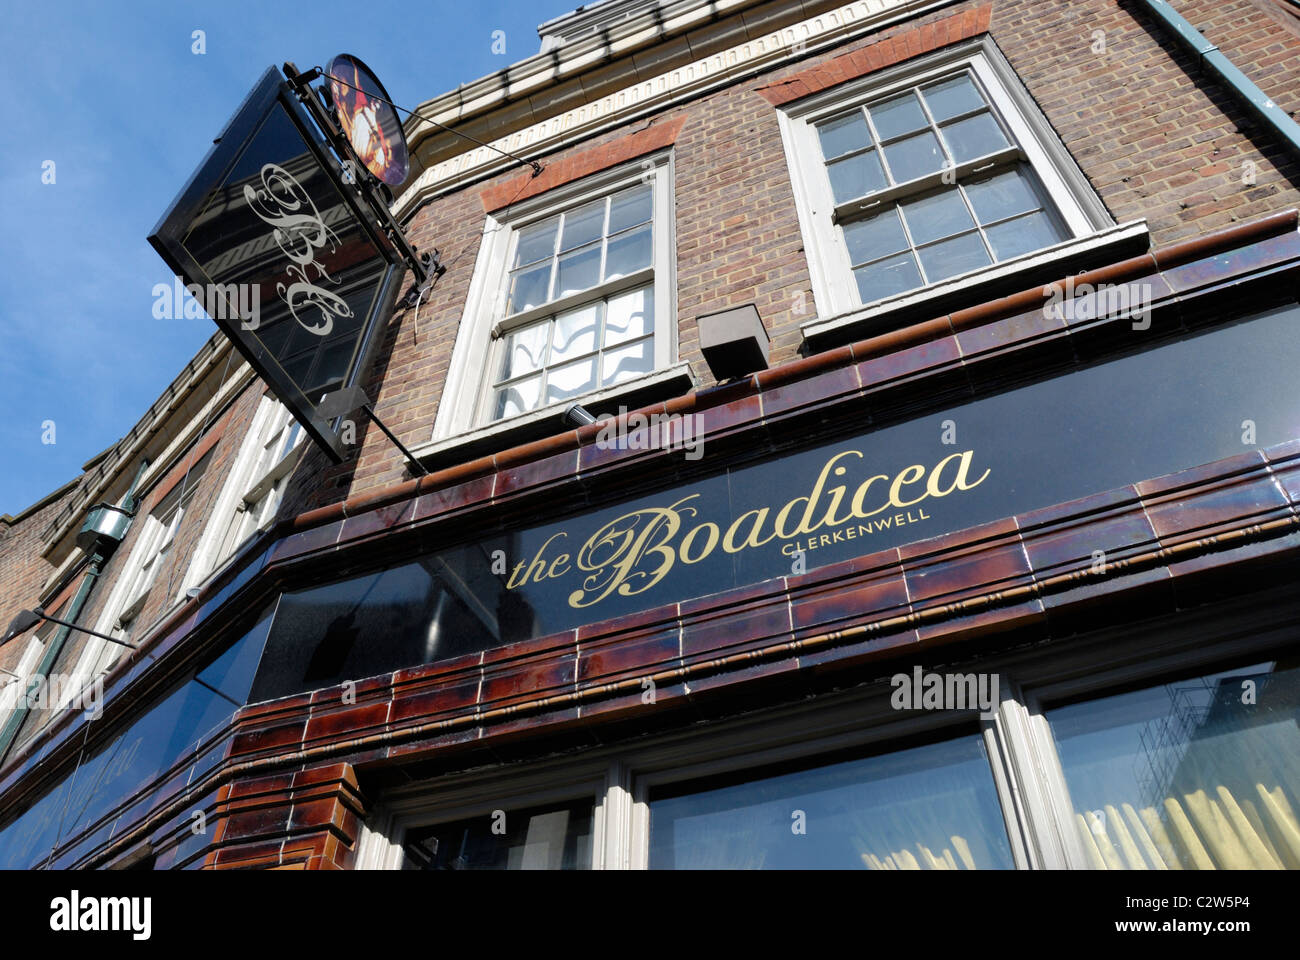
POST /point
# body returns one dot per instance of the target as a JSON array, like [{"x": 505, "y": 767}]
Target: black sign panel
[
  {"x": 278, "y": 249},
  {"x": 1221, "y": 392}
]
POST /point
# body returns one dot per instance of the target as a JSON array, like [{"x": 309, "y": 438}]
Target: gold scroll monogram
[{"x": 632, "y": 553}]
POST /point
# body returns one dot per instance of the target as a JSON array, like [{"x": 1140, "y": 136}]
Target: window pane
[
  {"x": 936, "y": 216},
  {"x": 629, "y": 315},
  {"x": 875, "y": 237},
  {"x": 575, "y": 333},
  {"x": 1023, "y": 235},
  {"x": 629, "y": 208},
  {"x": 887, "y": 278},
  {"x": 536, "y": 242},
  {"x": 524, "y": 351},
  {"x": 856, "y": 176},
  {"x": 949, "y": 98},
  {"x": 914, "y": 157},
  {"x": 926, "y": 808},
  {"x": 844, "y": 135},
  {"x": 578, "y": 271},
  {"x": 628, "y": 252},
  {"x": 951, "y": 257},
  {"x": 529, "y": 287},
  {"x": 583, "y": 225},
  {"x": 897, "y": 116},
  {"x": 624, "y": 363},
  {"x": 1001, "y": 196},
  {"x": 517, "y": 398},
  {"x": 974, "y": 137},
  {"x": 544, "y": 838},
  {"x": 1185, "y": 775},
  {"x": 571, "y": 380}
]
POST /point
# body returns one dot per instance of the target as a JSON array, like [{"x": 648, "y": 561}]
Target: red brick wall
[{"x": 23, "y": 571}]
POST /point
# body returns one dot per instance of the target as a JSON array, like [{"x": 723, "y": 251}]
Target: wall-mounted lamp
[
  {"x": 734, "y": 342},
  {"x": 577, "y": 416},
  {"x": 27, "y": 619}
]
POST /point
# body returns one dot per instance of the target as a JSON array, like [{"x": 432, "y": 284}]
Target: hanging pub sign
[
  {"x": 367, "y": 118},
  {"x": 286, "y": 248}
]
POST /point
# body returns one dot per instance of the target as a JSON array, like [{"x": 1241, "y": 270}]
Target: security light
[{"x": 576, "y": 415}]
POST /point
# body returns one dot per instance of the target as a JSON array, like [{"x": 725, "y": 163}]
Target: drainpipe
[
  {"x": 1212, "y": 59},
  {"x": 105, "y": 527}
]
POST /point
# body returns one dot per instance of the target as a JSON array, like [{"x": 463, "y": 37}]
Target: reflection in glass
[
  {"x": 541, "y": 838},
  {"x": 1197, "y": 775},
  {"x": 931, "y": 807},
  {"x": 630, "y": 208},
  {"x": 914, "y": 157},
  {"x": 843, "y": 135},
  {"x": 936, "y": 216},
  {"x": 952, "y": 257},
  {"x": 949, "y": 98},
  {"x": 166, "y": 735},
  {"x": 974, "y": 137},
  {"x": 874, "y": 237},
  {"x": 887, "y": 277},
  {"x": 583, "y": 225},
  {"x": 897, "y": 116},
  {"x": 627, "y": 253},
  {"x": 856, "y": 176}
]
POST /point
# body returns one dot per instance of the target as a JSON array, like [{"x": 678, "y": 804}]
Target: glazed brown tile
[
  {"x": 345, "y": 724},
  {"x": 830, "y": 387},
  {"x": 434, "y": 703},
  {"x": 849, "y": 603},
  {"x": 537, "y": 473},
  {"x": 632, "y": 656},
  {"x": 268, "y": 738},
  {"x": 975, "y": 572},
  {"x": 528, "y": 681},
  {"x": 377, "y": 520},
  {"x": 454, "y": 498}
]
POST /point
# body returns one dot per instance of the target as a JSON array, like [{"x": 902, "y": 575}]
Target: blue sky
[{"x": 113, "y": 94}]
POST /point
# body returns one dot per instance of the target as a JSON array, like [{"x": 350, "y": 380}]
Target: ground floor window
[
  {"x": 933, "y": 806},
  {"x": 540, "y": 838},
  {"x": 1100, "y": 753},
  {"x": 1197, "y": 774}
]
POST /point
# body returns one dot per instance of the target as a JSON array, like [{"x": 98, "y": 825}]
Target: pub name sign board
[{"x": 279, "y": 246}]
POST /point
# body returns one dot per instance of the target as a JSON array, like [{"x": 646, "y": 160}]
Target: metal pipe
[{"x": 1213, "y": 59}]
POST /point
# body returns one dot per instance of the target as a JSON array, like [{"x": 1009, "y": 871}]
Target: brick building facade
[{"x": 1103, "y": 311}]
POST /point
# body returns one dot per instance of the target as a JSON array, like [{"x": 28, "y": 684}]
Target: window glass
[
  {"x": 578, "y": 350},
  {"x": 951, "y": 228},
  {"x": 167, "y": 731},
  {"x": 1196, "y": 775},
  {"x": 930, "y": 807},
  {"x": 540, "y": 838}
]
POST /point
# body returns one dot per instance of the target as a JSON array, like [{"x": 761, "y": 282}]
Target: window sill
[
  {"x": 1010, "y": 276},
  {"x": 663, "y": 384}
]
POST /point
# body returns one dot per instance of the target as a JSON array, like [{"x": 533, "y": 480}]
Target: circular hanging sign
[{"x": 368, "y": 119}]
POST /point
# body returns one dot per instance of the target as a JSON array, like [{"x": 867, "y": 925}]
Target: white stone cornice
[{"x": 763, "y": 51}]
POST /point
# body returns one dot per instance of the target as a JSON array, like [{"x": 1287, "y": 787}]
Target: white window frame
[
  {"x": 462, "y": 408},
  {"x": 245, "y": 481},
  {"x": 1076, "y": 204}
]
